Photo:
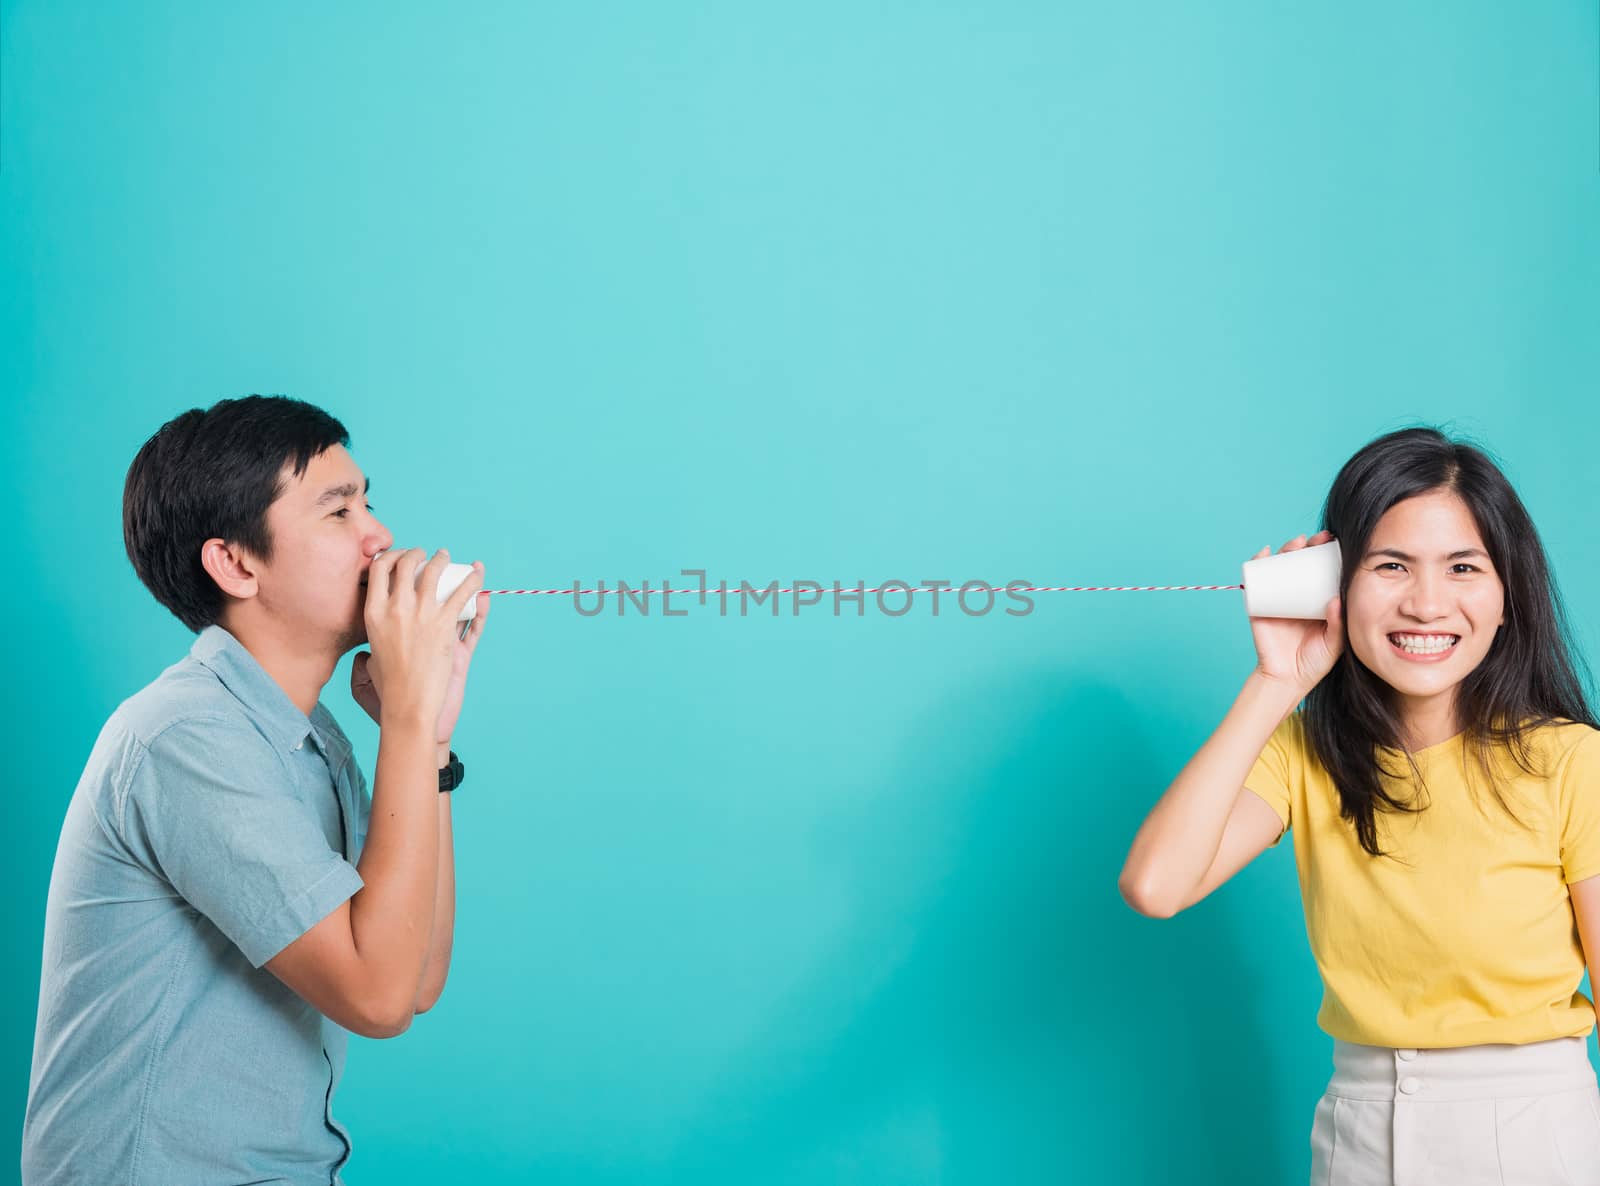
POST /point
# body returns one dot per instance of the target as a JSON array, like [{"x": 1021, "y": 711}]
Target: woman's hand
[{"x": 1298, "y": 652}]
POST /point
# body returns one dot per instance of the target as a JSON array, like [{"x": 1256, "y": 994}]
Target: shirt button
[
  {"x": 1407, "y": 1055},
  {"x": 1410, "y": 1085}
]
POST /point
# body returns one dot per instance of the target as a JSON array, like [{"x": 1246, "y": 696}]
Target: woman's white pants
[{"x": 1469, "y": 1116}]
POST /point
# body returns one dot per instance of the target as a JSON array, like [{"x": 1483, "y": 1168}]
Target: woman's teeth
[{"x": 1424, "y": 644}]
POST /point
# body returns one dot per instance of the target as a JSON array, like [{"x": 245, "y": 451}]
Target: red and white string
[{"x": 764, "y": 591}]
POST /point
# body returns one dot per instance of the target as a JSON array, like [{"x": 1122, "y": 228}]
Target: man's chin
[{"x": 354, "y": 637}]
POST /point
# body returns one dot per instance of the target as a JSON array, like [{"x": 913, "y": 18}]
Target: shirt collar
[{"x": 264, "y": 701}]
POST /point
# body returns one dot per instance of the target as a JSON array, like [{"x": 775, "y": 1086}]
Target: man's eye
[{"x": 342, "y": 511}]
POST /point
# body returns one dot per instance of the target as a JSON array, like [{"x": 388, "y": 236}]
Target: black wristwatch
[{"x": 452, "y": 774}]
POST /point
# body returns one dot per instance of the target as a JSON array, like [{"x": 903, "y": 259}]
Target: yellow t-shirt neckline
[{"x": 1455, "y": 739}]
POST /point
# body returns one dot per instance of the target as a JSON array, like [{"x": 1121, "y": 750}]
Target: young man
[{"x": 226, "y": 899}]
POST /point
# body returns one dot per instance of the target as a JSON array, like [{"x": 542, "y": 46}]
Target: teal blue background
[{"x": 1073, "y": 293}]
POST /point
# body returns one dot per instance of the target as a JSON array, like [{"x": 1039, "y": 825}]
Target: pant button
[
  {"x": 1410, "y": 1085},
  {"x": 1407, "y": 1055}
]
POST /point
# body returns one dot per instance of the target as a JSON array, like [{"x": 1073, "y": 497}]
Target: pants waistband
[{"x": 1460, "y": 1073}]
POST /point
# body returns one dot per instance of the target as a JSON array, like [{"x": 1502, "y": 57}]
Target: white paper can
[
  {"x": 449, "y": 581},
  {"x": 1297, "y": 584}
]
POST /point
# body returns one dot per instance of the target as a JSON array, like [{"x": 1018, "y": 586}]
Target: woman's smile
[{"x": 1422, "y": 648}]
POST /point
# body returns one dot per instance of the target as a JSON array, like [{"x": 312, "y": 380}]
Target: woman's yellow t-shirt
[{"x": 1464, "y": 933}]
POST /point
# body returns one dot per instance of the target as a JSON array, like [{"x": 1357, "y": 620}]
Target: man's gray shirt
[{"x": 214, "y": 824}]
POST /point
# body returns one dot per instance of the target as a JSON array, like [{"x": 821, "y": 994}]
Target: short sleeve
[
  {"x": 1579, "y": 797},
  {"x": 363, "y": 810},
  {"x": 1271, "y": 776},
  {"x": 222, "y": 820}
]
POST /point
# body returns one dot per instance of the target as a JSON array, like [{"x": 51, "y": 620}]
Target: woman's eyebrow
[{"x": 1409, "y": 559}]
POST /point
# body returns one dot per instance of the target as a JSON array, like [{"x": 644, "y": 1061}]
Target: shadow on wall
[{"x": 997, "y": 1012}]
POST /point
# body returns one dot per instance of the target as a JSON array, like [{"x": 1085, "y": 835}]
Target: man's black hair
[{"x": 214, "y": 473}]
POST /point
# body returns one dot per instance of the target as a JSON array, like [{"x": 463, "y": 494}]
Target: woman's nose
[{"x": 1425, "y": 598}]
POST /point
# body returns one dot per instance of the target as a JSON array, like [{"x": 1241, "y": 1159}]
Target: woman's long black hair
[{"x": 1529, "y": 676}]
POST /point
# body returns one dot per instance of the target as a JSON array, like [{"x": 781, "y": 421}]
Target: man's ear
[{"x": 233, "y": 568}]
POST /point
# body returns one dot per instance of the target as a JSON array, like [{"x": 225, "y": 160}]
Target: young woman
[{"x": 1442, "y": 784}]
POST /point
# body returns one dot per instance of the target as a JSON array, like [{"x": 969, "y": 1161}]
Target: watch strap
[{"x": 451, "y": 774}]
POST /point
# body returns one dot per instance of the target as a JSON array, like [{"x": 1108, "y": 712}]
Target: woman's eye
[{"x": 1395, "y": 564}]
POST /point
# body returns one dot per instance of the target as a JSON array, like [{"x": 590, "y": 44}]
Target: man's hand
[{"x": 366, "y": 695}]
